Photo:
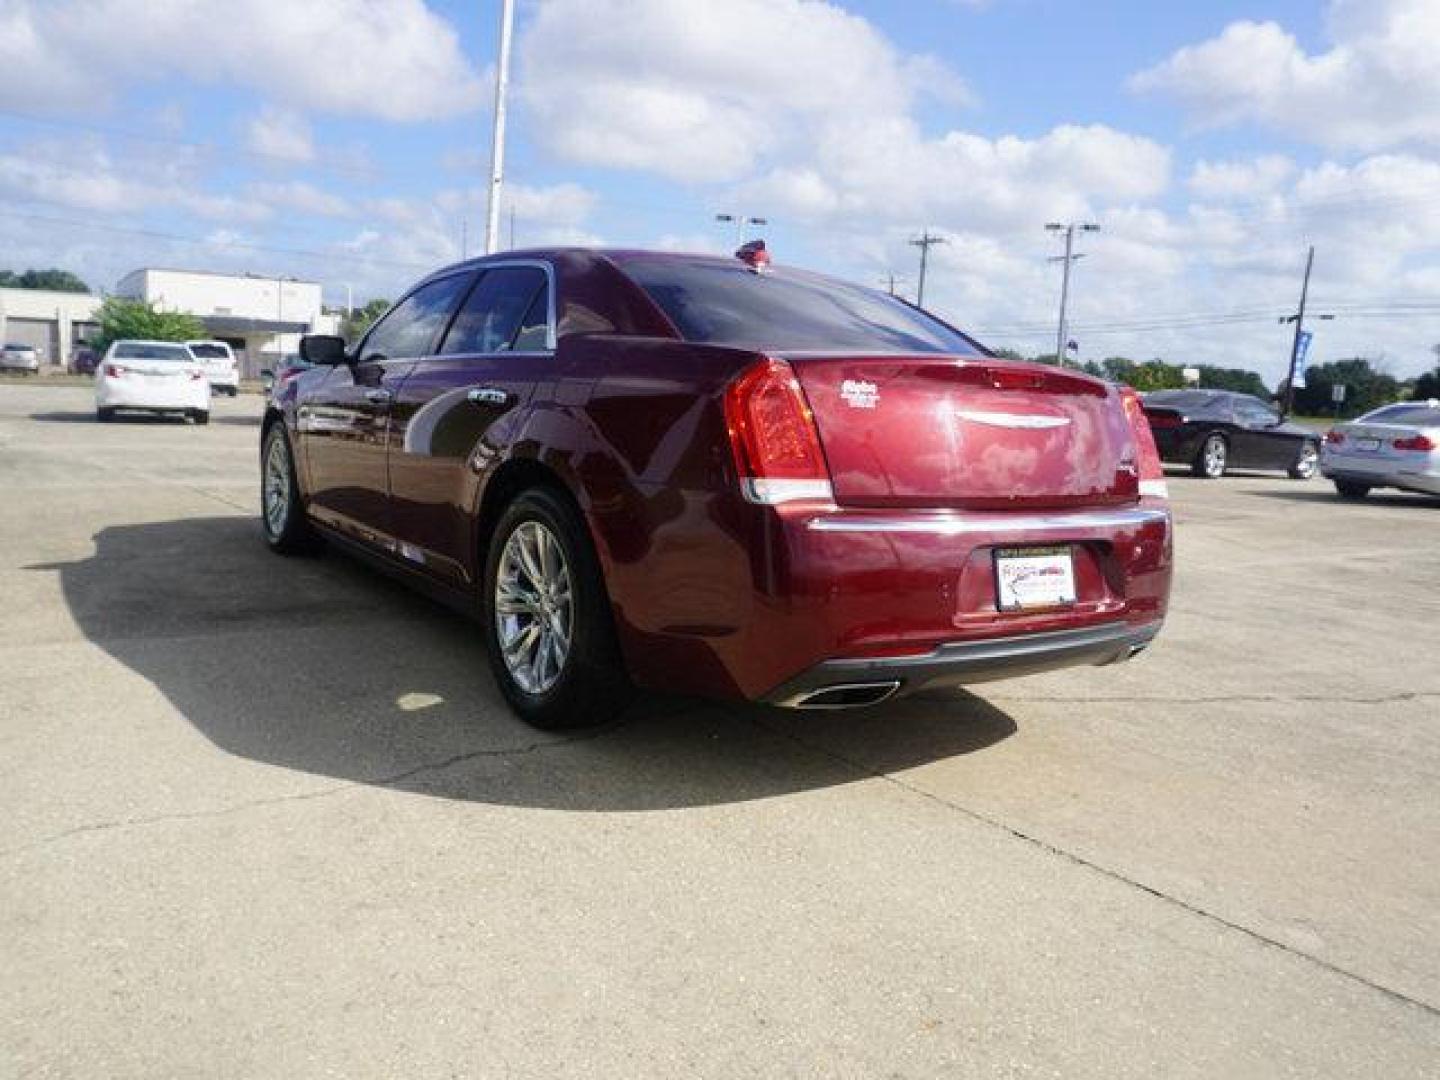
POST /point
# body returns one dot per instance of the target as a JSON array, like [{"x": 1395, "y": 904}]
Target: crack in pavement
[
  {"x": 387, "y": 781},
  {"x": 1105, "y": 871}
]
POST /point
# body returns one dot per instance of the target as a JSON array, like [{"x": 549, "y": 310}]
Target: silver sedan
[
  {"x": 22, "y": 358},
  {"x": 1397, "y": 446}
]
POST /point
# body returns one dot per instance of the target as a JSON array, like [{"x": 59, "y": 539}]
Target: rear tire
[
  {"x": 282, "y": 516},
  {"x": 1212, "y": 458},
  {"x": 1306, "y": 463},
  {"x": 1349, "y": 489},
  {"x": 543, "y": 585},
  {"x": 200, "y": 416}
]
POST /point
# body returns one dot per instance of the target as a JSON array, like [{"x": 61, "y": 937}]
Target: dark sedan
[
  {"x": 719, "y": 477},
  {"x": 1213, "y": 431}
]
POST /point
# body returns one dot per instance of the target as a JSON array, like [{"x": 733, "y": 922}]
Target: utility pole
[
  {"x": 1062, "y": 337},
  {"x": 497, "y": 137},
  {"x": 890, "y": 280},
  {"x": 740, "y": 221},
  {"x": 924, "y": 242},
  {"x": 1299, "y": 320}
]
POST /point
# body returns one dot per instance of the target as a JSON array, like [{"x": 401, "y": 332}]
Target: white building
[
  {"x": 51, "y": 321},
  {"x": 262, "y": 318}
]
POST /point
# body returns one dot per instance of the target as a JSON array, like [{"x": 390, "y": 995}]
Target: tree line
[{"x": 1366, "y": 386}]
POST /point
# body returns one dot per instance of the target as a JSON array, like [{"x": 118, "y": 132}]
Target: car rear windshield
[
  {"x": 211, "y": 352},
  {"x": 132, "y": 350},
  {"x": 719, "y": 304},
  {"x": 1414, "y": 415}
]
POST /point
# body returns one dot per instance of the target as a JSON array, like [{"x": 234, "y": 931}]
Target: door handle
[
  {"x": 378, "y": 397},
  {"x": 488, "y": 395}
]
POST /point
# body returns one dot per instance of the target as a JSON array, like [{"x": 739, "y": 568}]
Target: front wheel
[
  {"x": 281, "y": 514},
  {"x": 548, "y": 631},
  {"x": 1349, "y": 489},
  {"x": 1306, "y": 463},
  {"x": 1213, "y": 456}
]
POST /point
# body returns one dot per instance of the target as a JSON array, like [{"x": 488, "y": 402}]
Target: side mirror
[{"x": 326, "y": 349}]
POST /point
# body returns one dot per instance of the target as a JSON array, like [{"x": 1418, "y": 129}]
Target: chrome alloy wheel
[
  {"x": 1309, "y": 461},
  {"x": 1214, "y": 456},
  {"x": 276, "y": 488},
  {"x": 534, "y": 607}
]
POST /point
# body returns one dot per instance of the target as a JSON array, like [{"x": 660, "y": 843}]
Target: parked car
[
  {"x": 219, "y": 363},
  {"x": 151, "y": 376},
  {"x": 699, "y": 475},
  {"x": 1214, "y": 431},
  {"x": 1396, "y": 446},
  {"x": 83, "y": 360},
  {"x": 20, "y": 359},
  {"x": 290, "y": 365}
]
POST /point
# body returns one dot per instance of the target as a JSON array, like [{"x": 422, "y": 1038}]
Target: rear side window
[
  {"x": 493, "y": 314},
  {"x": 715, "y": 303},
  {"x": 410, "y": 328},
  {"x": 211, "y": 352}
]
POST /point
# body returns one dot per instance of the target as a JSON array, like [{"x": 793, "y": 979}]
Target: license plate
[
  {"x": 1037, "y": 577},
  {"x": 1367, "y": 444}
]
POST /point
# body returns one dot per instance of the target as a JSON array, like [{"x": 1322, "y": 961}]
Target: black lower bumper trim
[{"x": 965, "y": 662}]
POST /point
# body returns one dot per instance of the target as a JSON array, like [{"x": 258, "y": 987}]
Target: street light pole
[
  {"x": 1299, "y": 320},
  {"x": 497, "y": 135},
  {"x": 740, "y": 221},
  {"x": 1069, "y": 258}
]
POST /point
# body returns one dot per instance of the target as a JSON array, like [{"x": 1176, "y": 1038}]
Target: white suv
[{"x": 219, "y": 364}]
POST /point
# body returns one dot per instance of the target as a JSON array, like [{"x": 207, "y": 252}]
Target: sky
[{"x": 348, "y": 141}]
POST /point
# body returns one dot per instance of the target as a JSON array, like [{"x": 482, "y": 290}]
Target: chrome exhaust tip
[{"x": 845, "y": 695}]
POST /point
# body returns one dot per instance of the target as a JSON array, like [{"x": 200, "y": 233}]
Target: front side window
[
  {"x": 410, "y": 328},
  {"x": 719, "y": 303},
  {"x": 501, "y": 313}
]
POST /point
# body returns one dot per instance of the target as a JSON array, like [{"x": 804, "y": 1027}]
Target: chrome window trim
[{"x": 551, "y": 333}]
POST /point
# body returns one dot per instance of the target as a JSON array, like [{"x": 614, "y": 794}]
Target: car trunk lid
[{"x": 946, "y": 431}]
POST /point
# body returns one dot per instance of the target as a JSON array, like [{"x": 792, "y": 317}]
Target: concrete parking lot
[{"x": 265, "y": 817}]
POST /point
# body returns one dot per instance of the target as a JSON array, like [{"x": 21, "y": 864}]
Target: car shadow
[
  {"x": 1380, "y": 498},
  {"x": 119, "y": 418},
  {"x": 324, "y": 666}
]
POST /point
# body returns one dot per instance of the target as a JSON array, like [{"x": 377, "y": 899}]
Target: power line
[{"x": 924, "y": 242}]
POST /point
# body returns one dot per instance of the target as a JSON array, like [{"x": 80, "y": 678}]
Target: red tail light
[
  {"x": 114, "y": 371},
  {"x": 1152, "y": 473},
  {"x": 1334, "y": 438},
  {"x": 1420, "y": 443},
  {"x": 1164, "y": 420},
  {"x": 773, "y": 435}
]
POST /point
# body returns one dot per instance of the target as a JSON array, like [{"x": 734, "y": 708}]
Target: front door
[
  {"x": 451, "y": 409},
  {"x": 1261, "y": 442},
  {"x": 344, "y": 420}
]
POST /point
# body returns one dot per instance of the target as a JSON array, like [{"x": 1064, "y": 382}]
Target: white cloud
[
  {"x": 280, "y": 134},
  {"x": 1240, "y": 179},
  {"x": 393, "y": 59},
  {"x": 704, "y": 91},
  {"x": 301, "y": 197},
  {"x": 1377, "y": 87}
]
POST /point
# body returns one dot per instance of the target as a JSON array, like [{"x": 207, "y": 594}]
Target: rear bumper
[
  {"x": 960, "y": 663},
  {"x": 779, "y": 600},
  {"x": 1411, "y": 476},
  {"x": 184, "y": 394}
]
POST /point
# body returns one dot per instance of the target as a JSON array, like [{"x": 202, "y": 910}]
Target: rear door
[
  {"x": 344, "y": 418},
  {"x": 983, "y": 434},
  {"x": 1261, "y": 440},
  {"x": 445, "y": 416}
]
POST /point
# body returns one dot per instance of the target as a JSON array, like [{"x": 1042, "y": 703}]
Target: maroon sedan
[{"x": 708, "y": 476}]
